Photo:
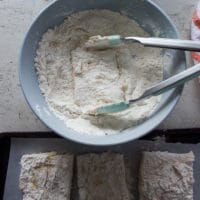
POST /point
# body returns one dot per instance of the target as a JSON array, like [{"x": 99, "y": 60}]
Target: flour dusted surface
[{"x": 75, "y": 80}]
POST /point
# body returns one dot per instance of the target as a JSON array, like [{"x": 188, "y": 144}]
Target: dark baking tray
[{"x": 188, "y": 136}]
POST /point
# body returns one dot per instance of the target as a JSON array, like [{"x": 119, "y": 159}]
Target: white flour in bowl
[{"x": 74, "y": 80}]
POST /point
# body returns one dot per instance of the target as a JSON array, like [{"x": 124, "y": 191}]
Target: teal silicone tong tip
[{"x": 113, "y": 108}]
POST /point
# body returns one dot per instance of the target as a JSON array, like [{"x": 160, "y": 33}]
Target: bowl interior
[{"x": 150, "y": 18}]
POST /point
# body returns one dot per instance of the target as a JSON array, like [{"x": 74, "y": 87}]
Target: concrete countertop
[{"x": 15, "y": 114}]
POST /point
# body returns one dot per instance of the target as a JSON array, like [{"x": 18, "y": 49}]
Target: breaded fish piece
[
  {"x": 46, "y": 176},
  {"x": 102, "y": 177},
  {"x": 166, "y": 176}
]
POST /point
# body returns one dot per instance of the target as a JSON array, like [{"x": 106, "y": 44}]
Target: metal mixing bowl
[{"x": 148, "y": 15}]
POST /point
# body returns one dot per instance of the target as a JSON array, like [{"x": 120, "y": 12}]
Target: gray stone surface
[{"x": 15, "y": 114}]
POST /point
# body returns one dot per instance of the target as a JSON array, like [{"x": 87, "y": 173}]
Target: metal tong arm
[
  {"x": 171, "y": 82},
  {"x": 187, "y": 45}
]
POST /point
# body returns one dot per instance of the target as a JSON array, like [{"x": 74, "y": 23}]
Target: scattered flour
[{"x": 75, "y": 80}]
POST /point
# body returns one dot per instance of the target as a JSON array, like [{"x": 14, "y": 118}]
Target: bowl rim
[{"x": 107, "y": 140}]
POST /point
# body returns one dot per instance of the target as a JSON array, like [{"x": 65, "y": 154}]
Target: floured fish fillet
[
  {"x": 96, "y": 78},
  {"x": 102, "y": 177},
  {"x": 166, "y": 176},
  {"x": 46, "y": 176}
]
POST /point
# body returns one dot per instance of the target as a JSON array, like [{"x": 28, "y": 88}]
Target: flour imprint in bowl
[{"x": 74, "y": 80}]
